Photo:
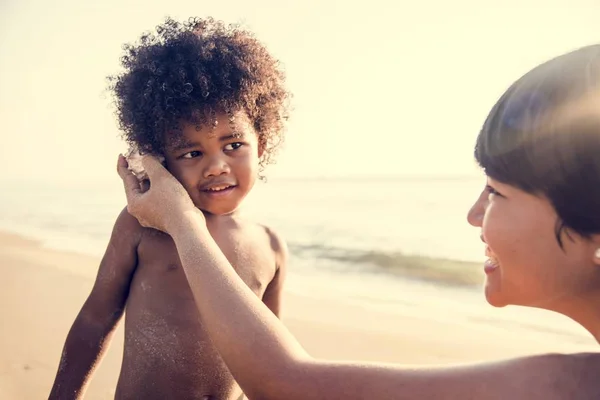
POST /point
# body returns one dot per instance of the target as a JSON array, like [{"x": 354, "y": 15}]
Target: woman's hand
[{"x": 164, "y": 204}]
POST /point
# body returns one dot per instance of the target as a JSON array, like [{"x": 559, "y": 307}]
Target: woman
[{"x": 539, "y": 217}]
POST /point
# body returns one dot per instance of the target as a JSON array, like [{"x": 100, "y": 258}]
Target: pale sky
[{"x": 381, "y": 87}]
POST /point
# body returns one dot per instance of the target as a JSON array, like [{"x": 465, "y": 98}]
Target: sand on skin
[{"x": 42, "y": 290}]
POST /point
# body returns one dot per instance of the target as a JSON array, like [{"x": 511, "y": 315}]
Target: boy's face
[{"x": 217, "y": 166}]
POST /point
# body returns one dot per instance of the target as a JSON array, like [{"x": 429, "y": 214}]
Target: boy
[{"x": 211, "y": 101}]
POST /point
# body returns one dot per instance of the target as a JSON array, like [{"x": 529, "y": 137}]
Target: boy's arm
[
  {"x": 274, "y": 292},
  {"x": 90, "y": 334}
]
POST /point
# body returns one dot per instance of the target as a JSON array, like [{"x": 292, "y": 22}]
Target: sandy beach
[{"x": 42, "y": 290}]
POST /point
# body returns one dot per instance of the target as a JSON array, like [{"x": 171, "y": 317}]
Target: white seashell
[{"x": 134, "y": 161}]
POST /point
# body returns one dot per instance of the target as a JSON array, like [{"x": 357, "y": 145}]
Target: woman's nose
[{"x": 477, "y": 211}]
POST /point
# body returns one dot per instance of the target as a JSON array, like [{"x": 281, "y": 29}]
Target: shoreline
[
  {"x": 417, "y": 268},
  {"x": 42, "y": 291}
]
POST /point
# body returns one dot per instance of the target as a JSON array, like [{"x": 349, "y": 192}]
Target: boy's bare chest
[{"x": 159, "y": 268}]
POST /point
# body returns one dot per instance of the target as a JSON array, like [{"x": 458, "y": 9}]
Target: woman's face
[{"x": 525, "y": 262}]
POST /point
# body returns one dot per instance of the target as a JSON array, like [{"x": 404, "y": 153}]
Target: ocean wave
[{"x": 442, "y": 271}]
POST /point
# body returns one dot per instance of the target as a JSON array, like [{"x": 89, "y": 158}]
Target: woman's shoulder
[{"x": 574, "y": 376}]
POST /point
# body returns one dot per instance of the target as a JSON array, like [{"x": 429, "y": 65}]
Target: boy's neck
[{"x": 214, "y": 217}]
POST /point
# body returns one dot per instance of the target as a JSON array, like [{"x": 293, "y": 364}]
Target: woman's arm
[
  {"x": 266, "y": 359},
  {"x": 269, "y": 363}
]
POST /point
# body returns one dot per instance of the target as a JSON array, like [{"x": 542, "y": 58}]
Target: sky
[{"x": 380, "y": 87}]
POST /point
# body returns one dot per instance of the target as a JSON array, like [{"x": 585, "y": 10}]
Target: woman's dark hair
[{"x": 543, "y": 136}]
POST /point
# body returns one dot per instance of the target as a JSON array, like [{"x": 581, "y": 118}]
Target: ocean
[
  {"x": 365, "y": 241},
  {"x": 358, "y": 223}
]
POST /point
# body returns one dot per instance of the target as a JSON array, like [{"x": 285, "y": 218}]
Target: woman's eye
[
  {"x": 491, "y": 190},
  {"x": 233, "y": 146},
  {"x": 192, "y": 154}
]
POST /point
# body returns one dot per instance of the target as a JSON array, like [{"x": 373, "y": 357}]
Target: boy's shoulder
[
  {"x": 278, "y": 245},
  {"x": 129, "y": 233},
  {"x": 277, "y": 242},
  {"x": 127, "y": 227},
  {"x": 273, "y": 238}
]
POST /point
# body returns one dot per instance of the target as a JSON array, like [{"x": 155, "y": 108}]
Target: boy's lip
[
  {"x": 211, "y": 186},
  {"x": 214, "y": 194}
]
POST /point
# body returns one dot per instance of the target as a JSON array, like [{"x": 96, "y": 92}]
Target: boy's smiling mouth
[
  {"x": 216, "y": 185},
  {"x": 217, "y": 189}
]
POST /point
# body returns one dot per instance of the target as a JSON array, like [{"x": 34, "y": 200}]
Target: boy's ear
[{"x": 261, "y": 148}]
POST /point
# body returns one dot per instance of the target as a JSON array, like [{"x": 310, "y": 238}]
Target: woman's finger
[
  {"x": 132, "y": 186},
  {"x": 152, "y": 166}
]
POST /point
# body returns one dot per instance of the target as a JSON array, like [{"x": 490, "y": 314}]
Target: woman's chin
[{"x": 493, "y": 295}]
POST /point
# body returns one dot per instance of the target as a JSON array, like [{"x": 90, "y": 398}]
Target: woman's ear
[
  {"x": 596, "y": 242},
  {"x": 597, "y": 256}
]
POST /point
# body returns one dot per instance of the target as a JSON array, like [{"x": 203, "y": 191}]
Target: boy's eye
[
  {"x": 192, "y": 154},
  {"x": 233, "y": 146}
]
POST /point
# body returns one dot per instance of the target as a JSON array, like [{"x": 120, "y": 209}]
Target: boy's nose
[
  {"x": 477, "y": 211},
  {"x": 216, "y": 166}
]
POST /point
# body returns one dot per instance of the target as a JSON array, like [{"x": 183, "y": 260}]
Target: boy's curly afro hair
[{"x": 188, "y": 72}]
